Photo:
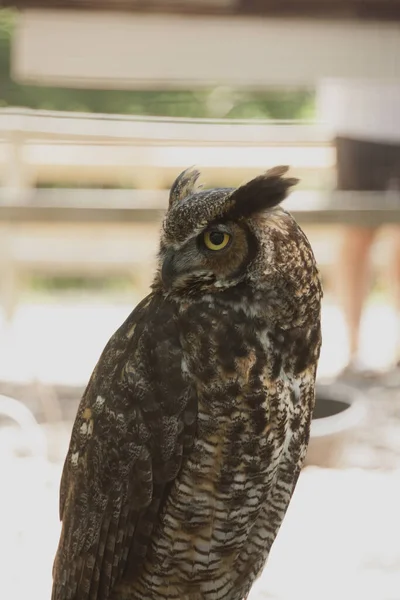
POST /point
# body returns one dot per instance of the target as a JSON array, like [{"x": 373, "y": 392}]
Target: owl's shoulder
[{"x": 137, "y": 398}]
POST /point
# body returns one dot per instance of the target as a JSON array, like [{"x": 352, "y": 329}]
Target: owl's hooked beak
[{"x": 168, "y": 270}]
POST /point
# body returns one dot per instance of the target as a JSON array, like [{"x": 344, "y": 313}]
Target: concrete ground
[{"x": 340, "y": 536}]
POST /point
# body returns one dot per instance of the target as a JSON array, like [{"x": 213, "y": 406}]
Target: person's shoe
[
  {"x": 357, "y": 372},
  {"x": 391, "y": 377}
]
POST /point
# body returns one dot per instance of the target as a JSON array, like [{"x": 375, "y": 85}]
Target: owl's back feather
[{"x": 134, "y": 425}]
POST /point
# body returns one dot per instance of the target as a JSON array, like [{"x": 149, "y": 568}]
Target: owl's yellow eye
[{"x": 216, "y": 240}]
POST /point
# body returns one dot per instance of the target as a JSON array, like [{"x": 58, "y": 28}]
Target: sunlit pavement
[{"x": 340, "y": 537}]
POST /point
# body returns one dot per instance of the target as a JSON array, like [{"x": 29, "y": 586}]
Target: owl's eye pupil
[
  {"x": 215, "y": 240},
  {"x": 217, "y": 237}
]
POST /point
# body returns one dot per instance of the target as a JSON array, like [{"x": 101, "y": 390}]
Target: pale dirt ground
[{"x": 340, "y": 539}]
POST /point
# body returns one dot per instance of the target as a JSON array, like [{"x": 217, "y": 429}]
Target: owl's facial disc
[{"x": 215, "y": 258}]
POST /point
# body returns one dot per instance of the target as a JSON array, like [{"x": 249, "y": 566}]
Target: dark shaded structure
[{"x": 351, "y": 9}]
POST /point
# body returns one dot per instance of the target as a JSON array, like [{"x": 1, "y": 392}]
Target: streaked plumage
[{"x": 192, "y": 431}]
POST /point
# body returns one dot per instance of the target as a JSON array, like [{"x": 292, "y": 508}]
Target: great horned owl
[{"x": 192, "y": 431}]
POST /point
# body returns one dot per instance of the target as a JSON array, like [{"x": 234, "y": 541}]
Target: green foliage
[
  {"x": 63, "y": 283},
  {"x": 220, "y": 102}
]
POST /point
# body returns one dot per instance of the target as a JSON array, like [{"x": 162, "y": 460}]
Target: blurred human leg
[
  {"x": 362, "y": 166},
  {"x": 352, "y": 277},
  {"x": 394, "y": 280}
]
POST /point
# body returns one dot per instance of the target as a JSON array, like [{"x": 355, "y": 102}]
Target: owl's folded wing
[{"x": 135, "y": 423}]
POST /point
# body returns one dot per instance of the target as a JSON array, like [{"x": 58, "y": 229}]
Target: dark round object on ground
[
  {"x": 339, "y": 410},
  {"x": 326, "y": 407}
]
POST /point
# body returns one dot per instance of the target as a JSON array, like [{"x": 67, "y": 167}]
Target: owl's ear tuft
[
  {"x": 183, "y": 185},
  {"x": 261, "y": 193}
]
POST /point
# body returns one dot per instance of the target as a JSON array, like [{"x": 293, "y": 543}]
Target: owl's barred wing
[{"x": 135, "y": 423}]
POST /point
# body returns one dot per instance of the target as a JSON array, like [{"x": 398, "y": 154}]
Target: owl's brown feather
[
  {"x": 134, "y": 426},
  {"x": 192, "y": 432}
]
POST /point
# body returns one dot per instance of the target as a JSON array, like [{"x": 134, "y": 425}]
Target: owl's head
[{"x": 214, "y": 240}]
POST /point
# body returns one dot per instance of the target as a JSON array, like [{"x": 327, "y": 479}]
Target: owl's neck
[
  {"x": 278, "y": 308},
  {"x": 289, "y": 330}
]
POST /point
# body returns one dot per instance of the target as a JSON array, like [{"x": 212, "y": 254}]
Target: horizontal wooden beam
[
  {"x": 155, "y": 51},
  {"x": 30, "y": 125},
  {"x": 366, "y": 208}
]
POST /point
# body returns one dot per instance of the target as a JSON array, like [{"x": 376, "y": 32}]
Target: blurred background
[{"x": 102, "y": 104}]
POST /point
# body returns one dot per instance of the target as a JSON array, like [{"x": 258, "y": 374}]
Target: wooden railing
[
  {"x": 147, "y": 153},
  {"x": 115, "y": 230}
]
